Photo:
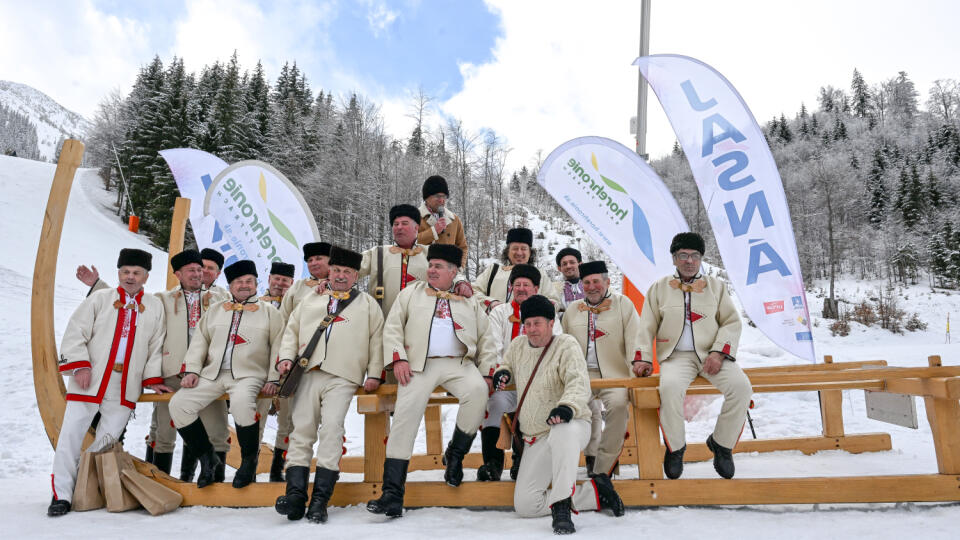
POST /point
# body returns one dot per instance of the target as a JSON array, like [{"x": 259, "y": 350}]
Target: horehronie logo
[
  {"x": 616, "y": 214},
  {"x": 236, "y": 195}
]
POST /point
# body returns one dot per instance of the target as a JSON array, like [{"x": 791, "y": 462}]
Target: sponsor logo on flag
[{"x": 773, "y": 307}]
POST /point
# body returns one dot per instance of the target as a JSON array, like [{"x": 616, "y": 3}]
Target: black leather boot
[
  {"x": 517, "y": 449},
  {"x": 722, "y": 458},
  {"x": 608, "y": 497},
  {"x": 673, "y": 463},
  {"x": 294, "y": 503},
  {"x": 493, "y": 457},
  {"x": 163, "y": 461},
  {"x": 188, "y": 465},
  {"x": 590, "y": 461},
  {"x": 221, "y": 472},
  {"x": 562, "y": 524},
  {"x": 58, "y": 507},
  {"x": 276, "y": 467},
  {"x": 394, "y": 481},
  {"x": 458, "y": 447},
  {"x": 323, "y": 483},
  {"x": 148, "y": 455},
  {"x": 249, "y": 439},
  {"x": 196, "y": 439}
]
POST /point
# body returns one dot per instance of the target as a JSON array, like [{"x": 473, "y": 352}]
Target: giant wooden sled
[{"x": 938, "y": 385}]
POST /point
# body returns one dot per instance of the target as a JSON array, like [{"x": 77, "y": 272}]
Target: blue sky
[{"x": 538, "y": 72}]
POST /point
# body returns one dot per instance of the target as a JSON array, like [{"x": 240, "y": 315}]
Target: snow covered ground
[{"x": 93, "y": 235}]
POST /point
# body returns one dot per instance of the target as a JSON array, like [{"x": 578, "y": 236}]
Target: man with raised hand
[
  {"x": 316, "y": 255},
  {"x": 183, "y": 307},
  {"x": 232, "y": 352},
  {"x": 697, "y": 328},
  {"x": 505, "y": 326},
  {"x": 607, "y": 326},
  {"x": 434, "y": 337},
  {"x": 111, "y": 349},
  {"x": 553, "y": 418},
  {"x": 280, "y": 280},
  {"x": 351, "y": 346},
  {"x": 438, "y": 225}
]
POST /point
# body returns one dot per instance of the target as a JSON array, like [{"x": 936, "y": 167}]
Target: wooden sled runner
[{"x": 938, "y": 385}]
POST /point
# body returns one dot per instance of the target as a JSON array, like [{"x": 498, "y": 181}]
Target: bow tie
[
  {"x": 514, "y": 319},
  {"x": 599, "y": 308},
  {"x": 268, "y": 298},
  {"x": 120, "y": 305},
  {"x": 337, "y": 294},
  {"x": 237, "y": 306},
  {"x": 415, "y": 250},
  {"x": 443, "y": 295},
  {"x": 697, "y": 286},
  {"x": 310, "y": 282}
]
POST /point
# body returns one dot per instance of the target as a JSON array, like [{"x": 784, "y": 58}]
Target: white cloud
[
  {"x": 76, "y": 57},
  {"x": 380, "y": 17}
]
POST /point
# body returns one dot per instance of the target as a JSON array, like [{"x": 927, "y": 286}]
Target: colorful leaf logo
[
  {"x": 263, "y": 188},
  {"x": 641, "y": 232},
  {"x": 612, "y": 185}
]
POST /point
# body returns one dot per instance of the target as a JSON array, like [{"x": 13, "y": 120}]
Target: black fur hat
[
  {"x": 135, "y": 257},
  {"x": 592, "y": 267},
  {"x": 447, "y": 252},
  {"x": 687, "y": 240},
  {"x": 435, "y": 184},
  {"x": 344, "y": 257},
  {"x": 209, "y": 254},
  {"x": 568, "y": 251},
  {"x": 537, "y": 306},
  {"x": 184, "y": 258},
  {"x": 315, "y": 248},
  {"x": 528, "y": 271},
  {"x": 520, "y": 234},
  {"x": 240, "y": 268},
  {"x": 404, "y": 210},
  {"x": 282, "y": 269}
]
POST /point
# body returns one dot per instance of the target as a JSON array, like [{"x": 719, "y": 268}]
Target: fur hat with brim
[
  {"x": 185, "y": 257},
  {"x": 525, "y": 270},
  {"x": 135, "y": 257},
  {"x": 282, "y": 269},
  {"x": 592, "y": 267},
  {"x": 315, "y": 248},
  {"x": 687, "y": 240},
  {"x": 520, "y": 234},
  {"x": 240, "y": 268},
  {"x": 344, "y": 257},
  {"x": 568, "y": 251},
  {"x": 447, "y": 252},
  {"x": 435, "y": 184},
  {"x": 209, "y": 254},
  {"x": 537, "y": 306},
  {"x": 404, "y": 210}
]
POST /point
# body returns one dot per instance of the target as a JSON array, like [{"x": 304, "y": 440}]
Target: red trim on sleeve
[
  {"x": 638, "y": 356},
  {"x": 726, "y": 349},
  {"x": 75, "y": 365},
  {"x": 152, "y": 380}
]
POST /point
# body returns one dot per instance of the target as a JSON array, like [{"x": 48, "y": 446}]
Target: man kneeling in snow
[
  {"x": 112, "y": 348},
  {"x": 554, "y": 417}
]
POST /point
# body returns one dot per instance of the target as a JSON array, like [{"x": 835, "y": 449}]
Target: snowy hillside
[
  {"x": 92, "y": 235},
  {"x": 52, "y": 120}
]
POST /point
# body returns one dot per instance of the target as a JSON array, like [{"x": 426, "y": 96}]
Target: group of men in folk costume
[{"x": 420, "y": 324}]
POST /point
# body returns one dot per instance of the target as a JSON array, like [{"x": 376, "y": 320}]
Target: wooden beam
[
  {"x": 944, "y": 418},
  {"x": 854, "y": 444},
  {"x": 178, "y": 227},
  {"x": 646, "y": 427},
  {"x": 47, "y": 381},
  {"x": 432, "y": 423},
  {"x": 940, "y": 387},
  {"x": 831, "y": 409},
  {"x": 650, "y": 397},
  {"x": 375, "y": 429}
]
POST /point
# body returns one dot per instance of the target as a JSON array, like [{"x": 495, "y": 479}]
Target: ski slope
[{"x": 92, "y": 234}]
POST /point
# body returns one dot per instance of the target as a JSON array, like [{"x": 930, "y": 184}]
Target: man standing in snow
[
  {"x": 112, "y": 349},
  {"x": 695, "y": 323},
  {"x": 553, "y": 419},
  {"x": 350, "y": 347},
  {"x": 438, "y": 225},
  {"x": 607, "y": 327},
  {"x": 280, "y": 280},
  {"x": 434, "y": 337},
  {"x": 233, "y": 351}
]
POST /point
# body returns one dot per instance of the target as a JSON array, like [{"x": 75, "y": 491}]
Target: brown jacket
[
  {"x": 452, "y": 233},
  {"x": 354, "y": 344},
  {"x": 254, "y": 353}
]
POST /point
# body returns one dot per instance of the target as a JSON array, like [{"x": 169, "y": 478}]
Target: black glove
[
  {"x": 563, "y": 412},
  {"x": 501, "y": 377}
]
